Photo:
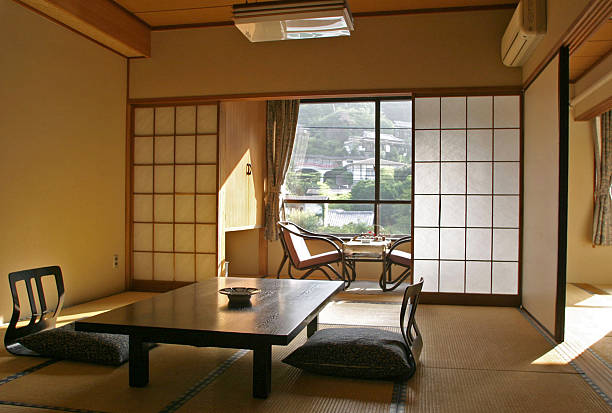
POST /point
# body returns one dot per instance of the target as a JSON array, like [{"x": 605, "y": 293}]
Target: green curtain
[
  {"x": 602, "y": 214},
  {"x": 280, "y": 134}
]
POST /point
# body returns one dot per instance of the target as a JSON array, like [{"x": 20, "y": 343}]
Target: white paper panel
[
  {"x": 426, "y": 210},
  {"x": 478, "y": 277},
  {"x": 453, "y": 211},
  {"x": 164, "y": 179},
  {"x": 164, "y": 149},
  {"x": 163, "y": 208},
  {"x": 479, "y": 210},
  {"x": 451, "y": 276},
  {"x": 143, "y": 237},
  {"x": 506, "y": 178},
  {"x": 427, "y": 113},
  {"x": 453, "y": 112},
  {"x": 507, "y": 145},
  {"x": 505, "y": 244},
  {"x": 206, "y": 208},
  {"x": 143, "y": 266},
  {"x": 143, "y": 208},
  {"x": 479, "y": 178},
  {"x": 426, "y": 145},
  {"x": 452, "y": 243},
  {"x": 143, "y": 150},
  {"x": 206, "y": 266},
  {"x": 480, "y": 112},
  {"x": 185, "y": 149},
  {"x": 185, "y": 119},
  {"x": 426, "y": 178},
  {"x": 506, "y": 211},
  {"x": 185, "y": 178},
  {"x": 507, "y": 112},
  {"x": 143, "y": 121},
  {"x": 453, "y": 178},
  {"x": 428, "y": 270},
  {"x": 207, "y": 149},
  {"x": 164, "y": 267},
  {"x": 425, "y": 243},
  {"x": 206, "y": 238},
  {"x": 207, "y": 119},
  {"x": 143, "y": 179},
  {"x": 184, "y": 237},
  {"x": 206, "y": 179},
  {"x": 184, "y": 267},
  {"x": 478, "y": 244},
  {"x": 480, "y": 145},
  {"x": 453, "y": 145},
  {"x": 163, "y": 237},
  {"x": 164, "y": 121},
  {"x": 505, "y": 278},
  {"x": 184, "y": 206}
]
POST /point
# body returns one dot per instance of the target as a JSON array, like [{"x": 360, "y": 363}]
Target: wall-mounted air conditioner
[{"x": 526, "y": 29}]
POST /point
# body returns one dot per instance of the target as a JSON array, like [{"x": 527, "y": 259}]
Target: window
[{"x": 351, "y": 167}]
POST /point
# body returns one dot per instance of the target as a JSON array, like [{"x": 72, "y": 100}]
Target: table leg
[
  {"x": 139, "y": 362},
  {"x": 312, "y": 327},
  {"x": 262, "y": 371}
]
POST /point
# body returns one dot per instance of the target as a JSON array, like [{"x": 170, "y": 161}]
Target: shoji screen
[
  {"x": 466, "y": 194},
  {"x": 545, "y": 215},
  {"x": 174, "y": 192}
]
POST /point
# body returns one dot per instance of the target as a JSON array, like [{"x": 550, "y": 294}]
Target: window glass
[{"x": 335, "y": 156}]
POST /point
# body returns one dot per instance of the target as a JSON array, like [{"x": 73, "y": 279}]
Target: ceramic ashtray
[{"x": 239, "y": 295}]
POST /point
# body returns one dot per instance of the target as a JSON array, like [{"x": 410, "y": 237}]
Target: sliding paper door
[
  {"x": 467, "y": 198},
  {"x": 545, "y": 211},
  {"x": 174, "y": 195}
]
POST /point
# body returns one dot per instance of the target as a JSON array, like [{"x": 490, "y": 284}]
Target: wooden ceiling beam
[{"x": 102, "y": 21}]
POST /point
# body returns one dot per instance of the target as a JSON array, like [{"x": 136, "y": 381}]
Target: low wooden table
[{"x": 198, "y": 315}]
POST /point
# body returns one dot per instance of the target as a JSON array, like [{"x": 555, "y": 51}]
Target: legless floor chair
[
  {"x": 33, "y": 332},
  {"x": 368, "y": 353}
]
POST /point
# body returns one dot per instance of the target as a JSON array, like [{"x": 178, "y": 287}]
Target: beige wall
[
  {"x": 62, "y": 162},
  {"x": 585, "y": 264},
  {"x": 458, "y": 49}
]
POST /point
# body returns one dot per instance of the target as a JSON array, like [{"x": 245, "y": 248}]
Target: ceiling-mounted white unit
[
  {"x": 297, "y": 19},
  {"x": 526, "y": 29}
]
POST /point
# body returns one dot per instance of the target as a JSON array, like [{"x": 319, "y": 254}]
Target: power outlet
[{"x": 116, "y": 261}]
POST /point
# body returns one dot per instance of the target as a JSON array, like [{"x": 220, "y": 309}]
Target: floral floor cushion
[
  {"x": 66, "y": 343},
  {"x": 367, "y": 353}
]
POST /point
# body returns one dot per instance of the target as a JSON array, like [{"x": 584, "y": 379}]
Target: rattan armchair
[
  {"x": 397, "y": 257},
  {"x": 298, "y": 255}
]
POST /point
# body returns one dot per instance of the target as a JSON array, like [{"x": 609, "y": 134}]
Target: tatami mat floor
[{"x": 475, "y": 359}]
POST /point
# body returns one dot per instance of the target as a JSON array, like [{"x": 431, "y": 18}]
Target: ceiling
[
  {"x": 592, "y": 51},
  {"x": 164, "y": 13}
]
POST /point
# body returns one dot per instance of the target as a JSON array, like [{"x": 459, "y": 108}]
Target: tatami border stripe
[
  {"x": 572, "y": 363},
  {"x": 25, "y": 372},
  {"x": 598, "y": 357},
  {"x": 398, "y": 397},
  {"x": 199, "y": 386},
  {"x": 42, "y": 406}
]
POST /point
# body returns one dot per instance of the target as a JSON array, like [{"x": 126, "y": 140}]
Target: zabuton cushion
[
  {"x": 367, "y": 353},
  {"x": 66, "y": 343}
]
